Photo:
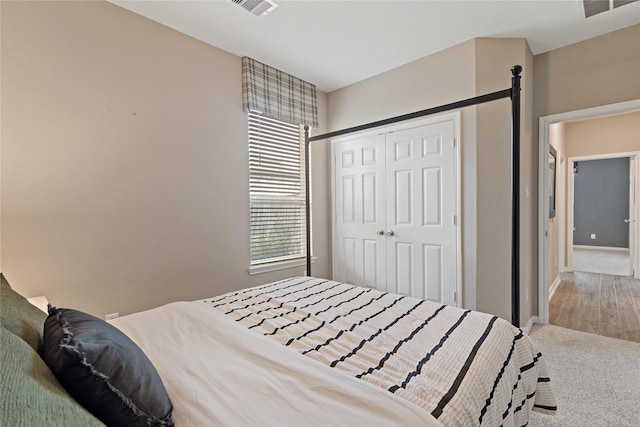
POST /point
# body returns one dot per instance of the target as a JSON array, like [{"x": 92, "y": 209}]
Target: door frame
[
  {"x": 454, "y": 116},
  {"x": 543, "y": 191},
  {"x": 633, "y": 162}
]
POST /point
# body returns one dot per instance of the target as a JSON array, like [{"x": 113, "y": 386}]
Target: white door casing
[
  {"x": 543, "y": 195},
  {"x": 633, "y": 213},
  {"x": 396, "y": 201}
]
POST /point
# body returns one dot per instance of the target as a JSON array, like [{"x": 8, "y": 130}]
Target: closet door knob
[
  {"x": 390, "y": 233},
  {"x": 380, "y": 232}
]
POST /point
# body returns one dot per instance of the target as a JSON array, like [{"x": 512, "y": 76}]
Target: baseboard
[
  {"x": 554, "y": 286},
  {"x": 601, "y": 248}
]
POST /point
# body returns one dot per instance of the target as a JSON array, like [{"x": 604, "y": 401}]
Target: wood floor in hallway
[{"x": 598, "y": 303}]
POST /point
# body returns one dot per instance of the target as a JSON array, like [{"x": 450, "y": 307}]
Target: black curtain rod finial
[{"x": 516, "y": 70}]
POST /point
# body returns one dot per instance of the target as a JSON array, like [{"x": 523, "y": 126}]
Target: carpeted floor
[{"x": 596, "y": 379}]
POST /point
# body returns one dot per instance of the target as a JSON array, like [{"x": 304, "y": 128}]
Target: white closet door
[
  {"x": 359, "y": 252},
  {"x": 421, "y": 191}
]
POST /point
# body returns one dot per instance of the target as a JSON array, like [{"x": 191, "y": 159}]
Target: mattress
[{"x": 461, "y": 366}]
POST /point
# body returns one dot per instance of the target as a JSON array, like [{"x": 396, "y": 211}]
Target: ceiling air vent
[
  {"x": 595, "y": 7},
  {"x": 618, "y": 3},
  {"x": 257, "y": 7}
]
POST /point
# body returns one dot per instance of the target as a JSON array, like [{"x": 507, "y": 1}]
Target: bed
[
  {"x": 301, "y": 351},
  {"x": 375, "y": 358}
]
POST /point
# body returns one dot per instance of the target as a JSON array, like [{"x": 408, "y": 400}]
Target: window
[{"x": 276, "y": 189}]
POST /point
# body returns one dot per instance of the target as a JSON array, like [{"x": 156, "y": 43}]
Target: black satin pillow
[{"x": 104, "y": 370}]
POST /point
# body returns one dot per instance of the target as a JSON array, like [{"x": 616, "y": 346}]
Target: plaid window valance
[{"x": 277, "y": 94}]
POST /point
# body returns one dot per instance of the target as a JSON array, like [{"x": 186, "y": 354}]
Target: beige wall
[
  {"x": 599, "y": 71},
  {"x": 611, "y": 134},
  {"x": 469, "y": 69},
  {"x": 124, "y": 161}
]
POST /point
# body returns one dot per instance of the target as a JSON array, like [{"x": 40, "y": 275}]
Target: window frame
[{"x": 284, "y": 261}]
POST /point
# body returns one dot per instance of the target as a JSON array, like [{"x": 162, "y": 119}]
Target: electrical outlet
[
  {"x": 111, "y": 316},
  {"x": 593, "y": 237}
]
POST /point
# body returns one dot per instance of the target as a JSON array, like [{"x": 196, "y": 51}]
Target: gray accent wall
[{"x": 601, "y": 203}]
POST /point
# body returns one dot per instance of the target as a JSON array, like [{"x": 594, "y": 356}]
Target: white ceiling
[{"x": 336, "y": 43}]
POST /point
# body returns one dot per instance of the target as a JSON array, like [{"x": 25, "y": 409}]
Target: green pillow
[
  {"x": 31, "y": 395},
  {"x": 20, "y": 316}
]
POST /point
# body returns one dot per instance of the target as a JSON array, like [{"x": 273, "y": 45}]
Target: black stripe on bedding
[
  {"x": 305, "y": 289},
  {"x": 262, "y": 288},
  {"x": 260, "y": 302},
  {"x": 378, "y": 332},
  {"x": 351, "y": 288},
  {"x": 288, "y": 324},
  {"x": 407, "y": 339},
  {"x": 499, "y": 377},
  {"x": 519, "y": 379},
  {"x": 286, "y": 302},
  {"x": 548, "y": 408},
  {"x": 247, "y": 306},
  {"x": 515, "y": 386},
  {"x": 353, "y": 310},
  {"x": 505, "y": 414},
  {"x": 528, "y": 397},
  {"x": 425, "y": 359},
  {"x": 270, "y": 318},
  {"x": 354, "y": 326},
  {"x": 310, "y": 331},
  {"x": 278, "y": 296},
  {"x": 239, "y": 319},
  {"x": 456, "y": 383},
  {"x": 245, "y": 290},
  {"x": 336, "y": 318},
  {"x": 324, "y": 322},
  {"x": 308, "y": 315},
  {"x": 532, "y": 364},
  {"x": 344, "y": 302}
]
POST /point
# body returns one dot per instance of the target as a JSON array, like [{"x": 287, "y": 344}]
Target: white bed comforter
[
  {"x": 218, "y": 372},
  {"x": 464, "y": 367}
]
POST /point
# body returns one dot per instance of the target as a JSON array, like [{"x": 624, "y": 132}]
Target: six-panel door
[{"x": 395, "y": 204}]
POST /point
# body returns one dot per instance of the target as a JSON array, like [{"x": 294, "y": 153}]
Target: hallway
[{"x": 598, "y": 303}]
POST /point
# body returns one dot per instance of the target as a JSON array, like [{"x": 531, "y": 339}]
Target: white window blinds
[{"x": 276, "y": 187}]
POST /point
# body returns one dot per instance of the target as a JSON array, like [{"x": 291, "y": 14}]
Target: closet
[{"x": 396, "y": 216}]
